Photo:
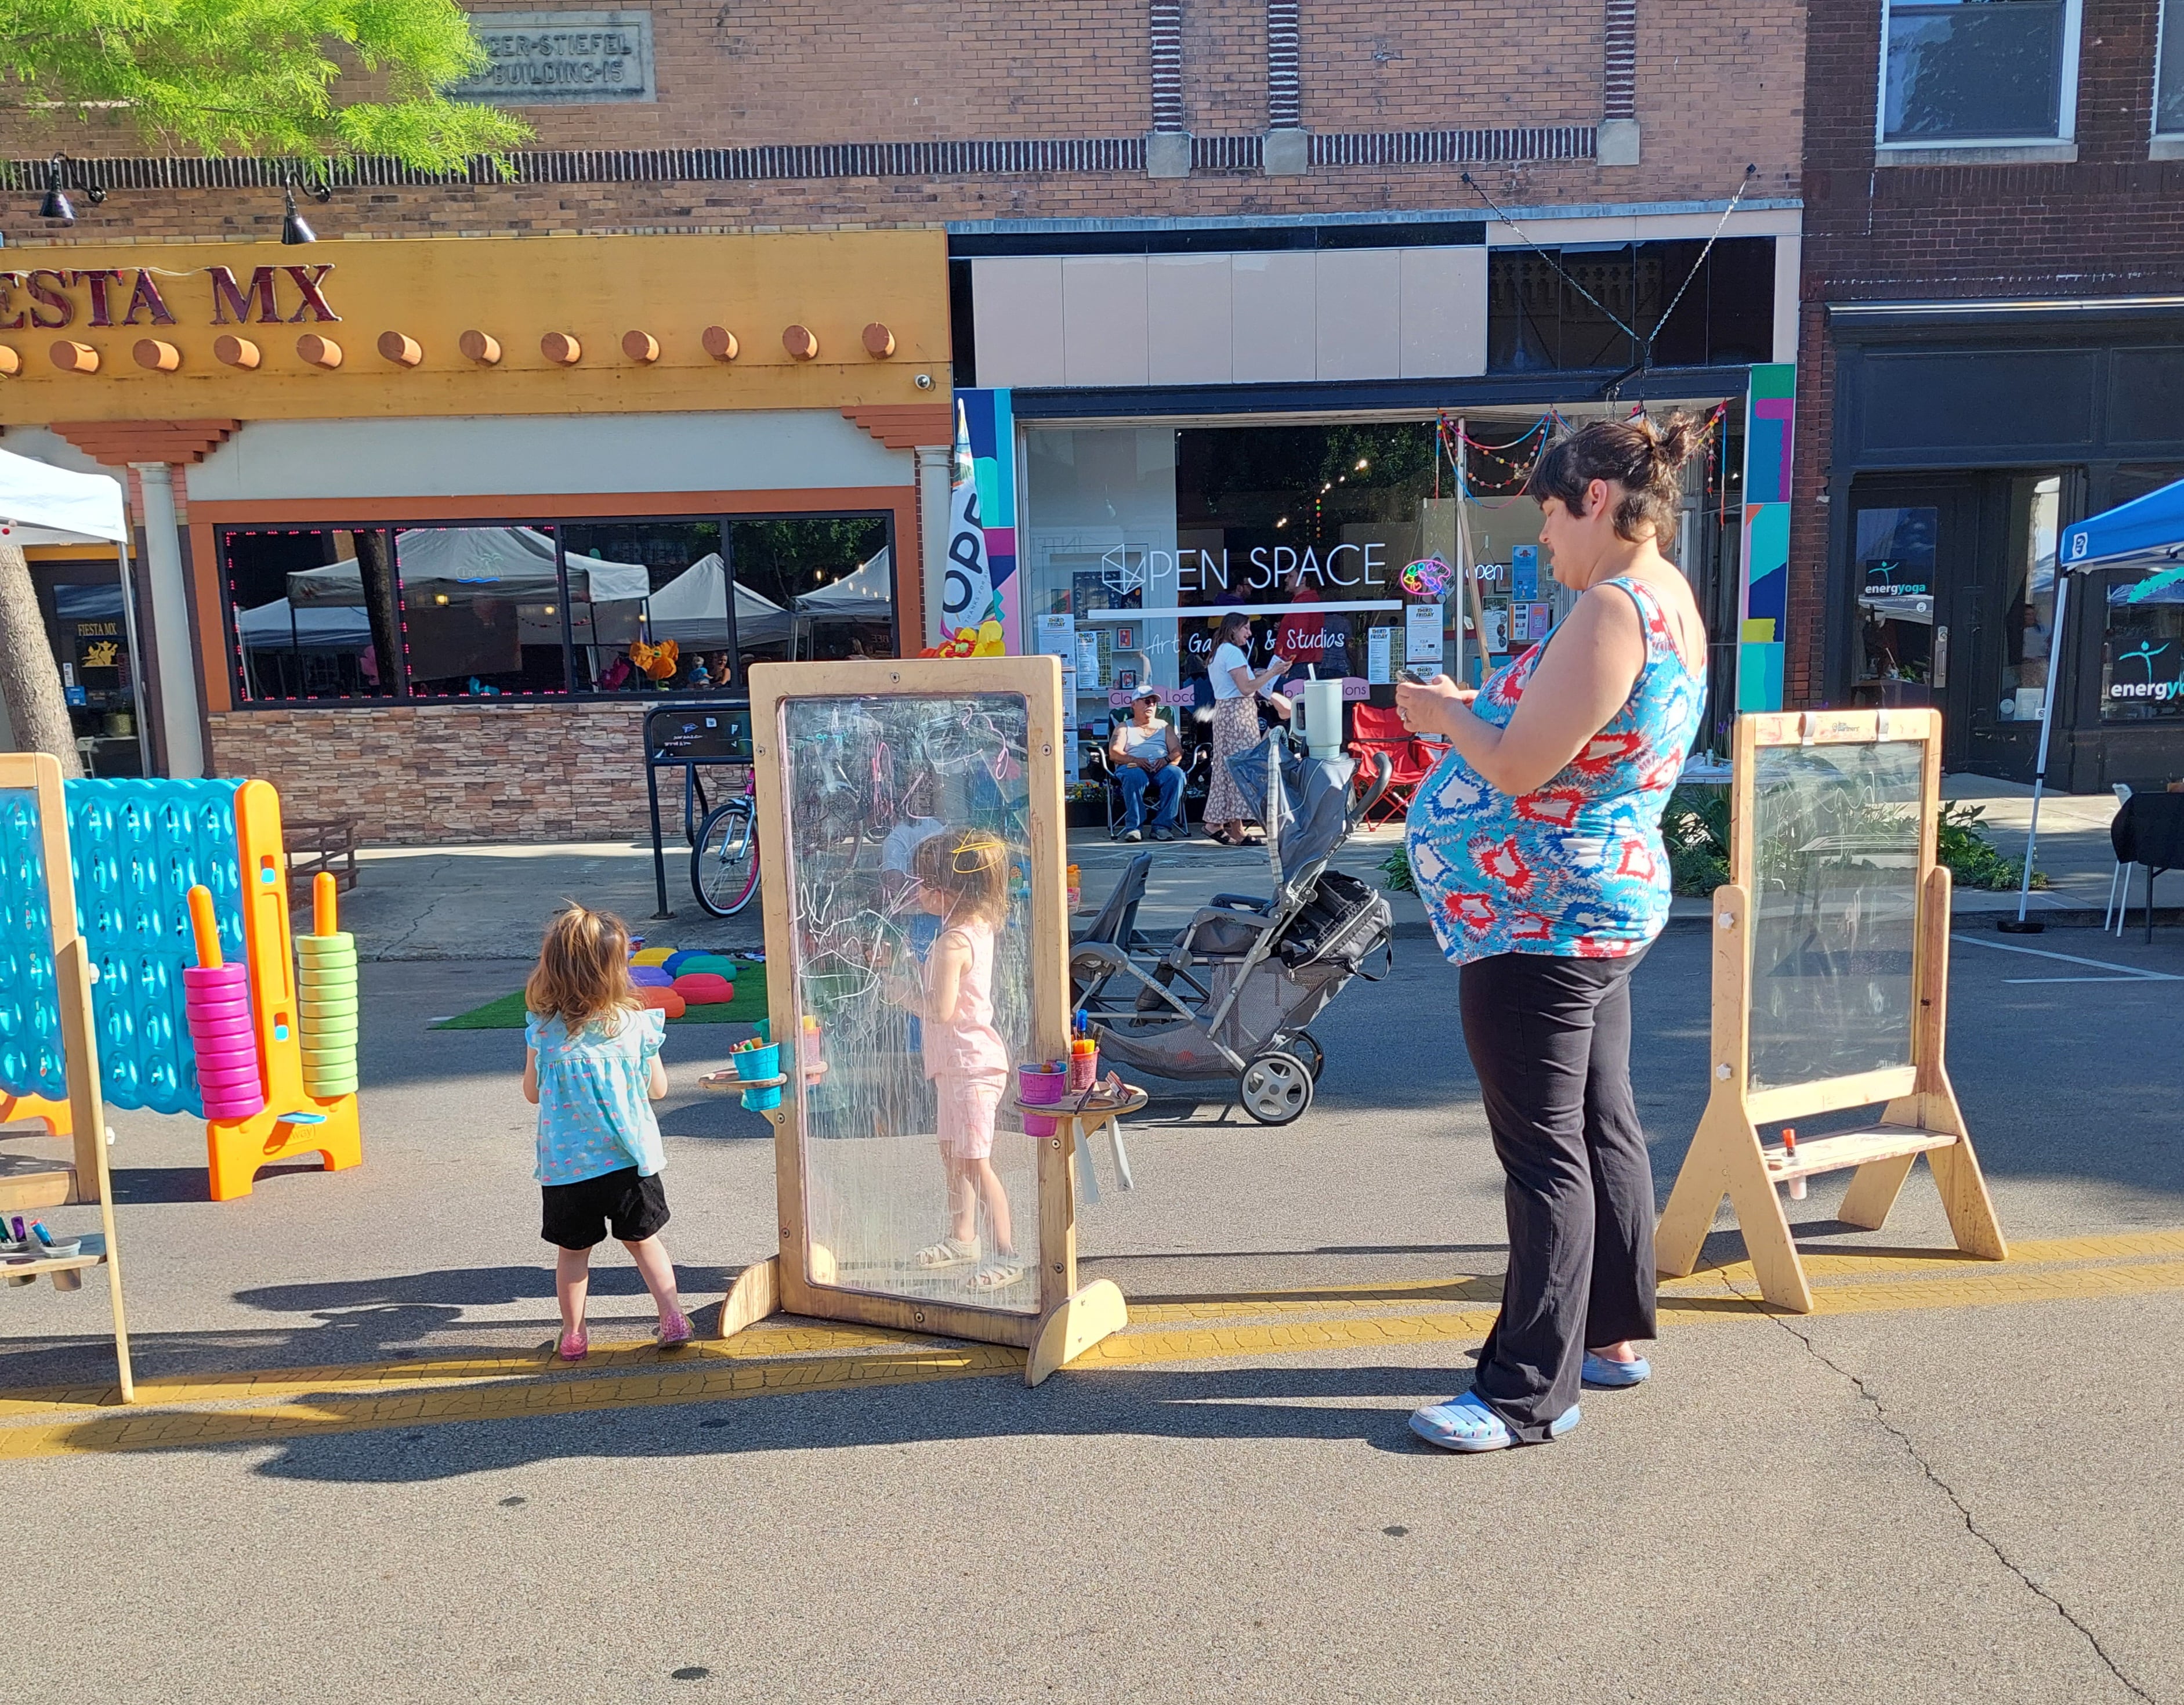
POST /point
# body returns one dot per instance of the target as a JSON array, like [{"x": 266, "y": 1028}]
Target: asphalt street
[{"x": 1948, "y": 1484}]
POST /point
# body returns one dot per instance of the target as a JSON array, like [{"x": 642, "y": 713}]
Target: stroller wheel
[
  {"x": 1306, "y": 1046},
  {"x": 1275, "y": 1089}
]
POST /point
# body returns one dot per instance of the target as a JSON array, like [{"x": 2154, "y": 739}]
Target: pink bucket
[{"x": 1037, "y": 1087}]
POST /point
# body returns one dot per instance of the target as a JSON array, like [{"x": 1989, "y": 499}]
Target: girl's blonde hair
[
  {"x": 970, "y": 868},
  {"x": 582, "y": 974}
]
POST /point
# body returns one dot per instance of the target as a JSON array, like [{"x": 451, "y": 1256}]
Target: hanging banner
[
  {"x": 1770, "y": 412},
  {"x": 979, "y": 585}
]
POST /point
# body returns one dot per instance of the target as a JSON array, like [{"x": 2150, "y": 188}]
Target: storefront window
[
  {"x": 592, "y": 607},
  {"x": 311, "y": 613},
  {"x": 2142, "y": 646},
  {"x": 1552, "y": 309},
  {"x": 481, "y": 610},
  {"x": 1895, "y": 567},
  {"x": 822, "y": 586},
  {"x": 648, "y": 607}
]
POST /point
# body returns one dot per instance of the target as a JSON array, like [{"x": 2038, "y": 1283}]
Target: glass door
[{"x": 1913, "y": 546}]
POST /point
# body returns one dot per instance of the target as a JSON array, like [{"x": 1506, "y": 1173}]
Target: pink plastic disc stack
[{"x": 216, "y": 999}]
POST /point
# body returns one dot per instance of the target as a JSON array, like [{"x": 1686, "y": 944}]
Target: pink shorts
[{"x": 967, "y": 1106}]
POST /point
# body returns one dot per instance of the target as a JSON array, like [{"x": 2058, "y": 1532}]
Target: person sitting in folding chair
[{"x": 1146, "y": 753}]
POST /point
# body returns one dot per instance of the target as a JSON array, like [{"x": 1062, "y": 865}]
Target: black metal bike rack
[{"x": 684, "y": 737}]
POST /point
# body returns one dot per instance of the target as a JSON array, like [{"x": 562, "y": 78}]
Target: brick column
[
  {"x": 1619, "y": 86},
  {"x": 1288, "y": 144},
  {"x": 1167, "y": 149}
]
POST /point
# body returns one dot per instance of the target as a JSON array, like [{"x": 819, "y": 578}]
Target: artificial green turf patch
[{"x": 507, "y": 1013}]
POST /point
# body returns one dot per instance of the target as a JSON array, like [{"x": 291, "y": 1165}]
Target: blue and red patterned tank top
[{"x": 1574, "y": 868}]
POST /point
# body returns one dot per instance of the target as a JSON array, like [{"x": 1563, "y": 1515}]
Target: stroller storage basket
[{"x": 1344, "y": 920}]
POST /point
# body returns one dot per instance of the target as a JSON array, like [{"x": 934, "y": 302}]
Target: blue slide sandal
[
  {"x": 1466, "y": 1425},
  {"x": 1615, "y": 1375}
]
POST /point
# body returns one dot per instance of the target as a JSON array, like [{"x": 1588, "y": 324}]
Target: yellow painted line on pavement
[
  {"x": 142, "y": 1428},
  {"x": 765, "y": 1341},
  {"x": 377, "y": 1397}
]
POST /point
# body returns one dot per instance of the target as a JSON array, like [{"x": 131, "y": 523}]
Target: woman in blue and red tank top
[{"x": 1536, "y": 845}]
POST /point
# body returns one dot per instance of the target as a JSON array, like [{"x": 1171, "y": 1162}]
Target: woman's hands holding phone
[{"x": 1428, "y": 707}]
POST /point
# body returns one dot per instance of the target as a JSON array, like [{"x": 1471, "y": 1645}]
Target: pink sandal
[
  {"x": 574, "y": 1345},
  {"x": 675, "y": 1333}
]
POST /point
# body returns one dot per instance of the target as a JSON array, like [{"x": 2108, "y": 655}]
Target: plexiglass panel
[
  {"x": 1836, "y": 864},
  {"x": 907, "y": 825}
]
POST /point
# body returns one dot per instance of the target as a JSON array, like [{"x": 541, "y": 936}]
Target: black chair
[
  {"x": 1197, "y": 763},
  {"x": 2148, "y": 830}
]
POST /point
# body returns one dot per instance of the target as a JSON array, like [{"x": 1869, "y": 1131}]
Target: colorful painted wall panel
[
  {"x": 991, "y": 423},
  {"x": 1770, "y": 409}
]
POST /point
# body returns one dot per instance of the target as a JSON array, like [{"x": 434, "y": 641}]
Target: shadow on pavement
[{"x": 1365, "y": 1404}]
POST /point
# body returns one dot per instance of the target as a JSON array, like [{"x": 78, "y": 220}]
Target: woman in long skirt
[{"x": 1236, "y": 693}]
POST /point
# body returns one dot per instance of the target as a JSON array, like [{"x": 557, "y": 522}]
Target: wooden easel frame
[
  {"x": 1070, "y": 1319},
  {"x": 87, "y": 1180},
  {"x": 1920, "y": 1117}
]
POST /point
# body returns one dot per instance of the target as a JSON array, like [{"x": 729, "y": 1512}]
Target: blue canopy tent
[{"x": 2145, "y": 536}]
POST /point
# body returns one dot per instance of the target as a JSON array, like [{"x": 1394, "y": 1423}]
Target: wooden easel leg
[
  {"x": 1700, "y": 1186},
  {"x": 1873, "y": 1191},
  {"x": 756, "y": 1294},
  {"x": 1767, "y": 1237},
  {"x": 1074, "y": 1326},
  {"x": 1965, "y": 1201}
]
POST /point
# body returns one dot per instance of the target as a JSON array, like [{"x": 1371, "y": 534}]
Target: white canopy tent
[
  {"x": 692, "y": 609},
  {"x": 71, "y": 507}
]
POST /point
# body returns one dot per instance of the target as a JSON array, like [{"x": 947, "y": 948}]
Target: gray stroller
[{"x": 1231, "y": 998}]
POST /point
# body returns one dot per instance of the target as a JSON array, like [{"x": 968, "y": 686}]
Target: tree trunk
[
  {"x": 30, "y": 679},
  {"x": 376, "y": 571}
]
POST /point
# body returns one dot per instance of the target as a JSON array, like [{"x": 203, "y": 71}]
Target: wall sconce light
[{"x": 56, "y": 205}]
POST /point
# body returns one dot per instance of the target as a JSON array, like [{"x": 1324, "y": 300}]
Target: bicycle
[{"x": 724, "y": 855}]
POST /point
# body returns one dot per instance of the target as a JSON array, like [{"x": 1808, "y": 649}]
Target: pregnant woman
[{"x": 1536, "y": 844}]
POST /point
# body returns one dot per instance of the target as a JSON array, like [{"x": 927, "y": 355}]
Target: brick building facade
[
  {"x": 1097, "y": 170},
  {"x": 1991, "y": 334}
]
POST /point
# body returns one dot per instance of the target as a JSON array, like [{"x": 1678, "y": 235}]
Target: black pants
[{"x": 1550, "y": 1038}]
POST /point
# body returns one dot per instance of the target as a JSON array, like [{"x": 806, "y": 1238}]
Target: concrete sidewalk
[{"x": 473, "y": 902}]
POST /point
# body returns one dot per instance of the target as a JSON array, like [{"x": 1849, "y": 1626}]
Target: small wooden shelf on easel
[{"x": 1920, "y": 1115}]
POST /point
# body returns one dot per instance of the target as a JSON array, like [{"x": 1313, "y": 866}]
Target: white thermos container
[{"x": 1316, "y": 714}]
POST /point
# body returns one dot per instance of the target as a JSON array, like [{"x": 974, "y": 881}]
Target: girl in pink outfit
[{"x": 962, "y": 877}]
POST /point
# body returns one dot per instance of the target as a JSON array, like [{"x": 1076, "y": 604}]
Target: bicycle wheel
[{"x": 724, "y": 862}]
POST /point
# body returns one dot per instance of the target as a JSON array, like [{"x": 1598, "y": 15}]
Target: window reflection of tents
[{"x": 611, "y": 603}]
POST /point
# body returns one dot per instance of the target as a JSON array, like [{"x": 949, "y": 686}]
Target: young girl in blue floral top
[{"x": 592, "y": 1068}]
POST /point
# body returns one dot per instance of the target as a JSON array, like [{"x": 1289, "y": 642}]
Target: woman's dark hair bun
[{"x": 1643, "y": 456}]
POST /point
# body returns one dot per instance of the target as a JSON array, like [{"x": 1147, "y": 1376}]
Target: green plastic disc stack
[{"x": 326, "y": 1006}]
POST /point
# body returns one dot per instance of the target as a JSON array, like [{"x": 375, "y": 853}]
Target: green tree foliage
[{"x": 311, "y": 80}]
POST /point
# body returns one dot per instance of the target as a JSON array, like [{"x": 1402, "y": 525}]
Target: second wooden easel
[{"x": 1919, "y": 1115}]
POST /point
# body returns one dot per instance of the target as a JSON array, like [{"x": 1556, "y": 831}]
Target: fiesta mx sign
[{"x": 48, "y": 299}]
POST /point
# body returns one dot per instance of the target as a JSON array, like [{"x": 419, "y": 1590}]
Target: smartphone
[{"x": 1423, "y": 673}]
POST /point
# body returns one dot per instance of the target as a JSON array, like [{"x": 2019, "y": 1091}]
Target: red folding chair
[{"x": 1377, "y": 730}]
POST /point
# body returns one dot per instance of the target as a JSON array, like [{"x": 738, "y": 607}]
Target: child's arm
[
  {"x": 530, "y": 1076},
  {"x": 657, "y": 1087}
]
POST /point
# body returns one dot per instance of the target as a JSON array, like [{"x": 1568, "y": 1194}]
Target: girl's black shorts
[{"x": 576, "y": 1215}]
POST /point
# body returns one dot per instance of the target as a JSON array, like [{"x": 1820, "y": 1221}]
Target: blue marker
[{"x": 38, "y": 1230}]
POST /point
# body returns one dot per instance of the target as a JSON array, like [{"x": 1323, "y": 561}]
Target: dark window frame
[{"x": 558, "y": 525}]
